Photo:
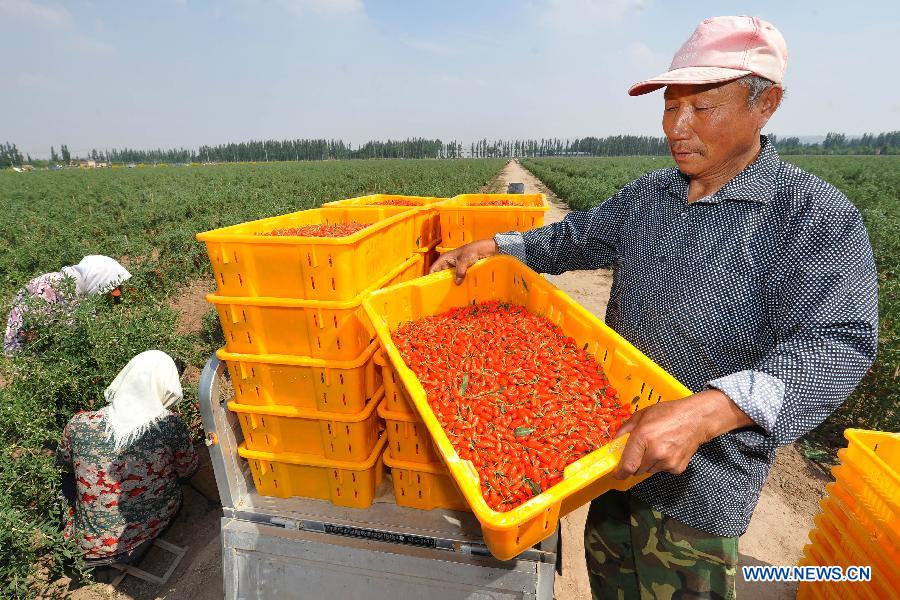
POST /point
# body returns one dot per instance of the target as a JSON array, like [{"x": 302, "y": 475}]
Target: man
[{"x": 749, "y": 280}]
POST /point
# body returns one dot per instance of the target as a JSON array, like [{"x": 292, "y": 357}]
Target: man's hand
[
  {"x": 665, "y": 436},
  {"x": 464, "y": 257}
]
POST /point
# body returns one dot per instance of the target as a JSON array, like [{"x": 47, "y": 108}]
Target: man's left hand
[{"x": 665, "y": 436}]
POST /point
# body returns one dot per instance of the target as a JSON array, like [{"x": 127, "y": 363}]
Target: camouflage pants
[{"x": 633, "y": 551}]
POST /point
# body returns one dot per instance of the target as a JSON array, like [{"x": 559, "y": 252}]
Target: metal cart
[{"x": 303, "y": 548}]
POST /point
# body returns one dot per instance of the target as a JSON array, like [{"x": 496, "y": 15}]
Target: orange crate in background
[
  {"x": 408, "y": 438},
  {"x": 629, "y": 371},
  {"x": 422, "y": 485},
  {"x": 310, "y": 383},
  {"x": 463, "y": 221},
  {"x": 426, "y": 224},
  {"x": 344, "y": 483},
  {"x": 246, "y": 264},
  {"x": 860, "y": 522},
  {"x": 395, "y": 398},
  {"x": 330, "y": 330},
  {"x": 302, "y": 431}
]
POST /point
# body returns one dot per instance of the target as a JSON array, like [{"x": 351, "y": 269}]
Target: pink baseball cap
[{"x": 722, "y": 49}]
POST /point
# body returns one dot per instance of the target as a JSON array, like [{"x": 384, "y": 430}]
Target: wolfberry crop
[
  {"x": 514, "y": 394},
  {"x": 332, "y": 230},
  {"x": 497, "y": 202},
  {"x": 397, "y": 202}
]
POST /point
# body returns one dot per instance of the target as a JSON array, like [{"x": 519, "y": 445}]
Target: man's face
[{"x": 710, "y": 126}]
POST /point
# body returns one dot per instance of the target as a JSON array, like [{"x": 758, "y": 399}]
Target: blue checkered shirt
[{"x": 765, "y": 290}]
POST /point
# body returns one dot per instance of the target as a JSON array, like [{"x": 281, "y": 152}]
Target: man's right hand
[{"x": 464, "y": 257}]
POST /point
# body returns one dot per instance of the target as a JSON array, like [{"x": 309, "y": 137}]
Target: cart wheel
[{"x": 515, "y": 188}]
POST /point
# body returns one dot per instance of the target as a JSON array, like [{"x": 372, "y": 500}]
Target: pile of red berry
[
  {"x": 515, "y": 395},
  {"x": 397, "y": 202},
  {"x": 498, "y": 202},
  {"x": 331, "y": 230}
]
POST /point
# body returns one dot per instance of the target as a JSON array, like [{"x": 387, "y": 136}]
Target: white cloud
[
  {"x": 34, "y": 80},
  {"x": 43, "y": 14},
  {"x": 643, "y": 57},
  {"x": 583, "y": 15},
  {"x": 332, "y": 8},
  {"x": 90, "y": 46},
  {"x": 435, "y": 48}
]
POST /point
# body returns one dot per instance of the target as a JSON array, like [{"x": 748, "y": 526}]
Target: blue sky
[{"x": 171, "y": 73}]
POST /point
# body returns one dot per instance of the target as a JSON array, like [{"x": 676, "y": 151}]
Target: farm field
[
  {"x": 147, "y": 218},
  {"x": 871, "y": 182}
]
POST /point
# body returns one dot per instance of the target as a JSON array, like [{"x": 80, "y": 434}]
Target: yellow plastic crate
[
  {"x": 302, "y": 431},
  {"x": 869, "y": 478},
  {"x": 408, "y": 438},
  {"x": 245, "y": 264},
  {"x": 423, "y": 486},
  {"x": 426, "y": 223},
  {"x": 868, "y": 514},
  {"x": 344, "y": 483},
  {"x": 395, "y": 398},
  {"x": 330, "y": 330},
  {"x": 875, "y": 457},
  {"x": 429, "y": 255},
  {"x": 629, "y": 371},
  {"x": 831, "y": 553},
  {"x": 309, "y": 383},
  {"x": 462, "y": 223},
  {"x": 843, "y": 526}
]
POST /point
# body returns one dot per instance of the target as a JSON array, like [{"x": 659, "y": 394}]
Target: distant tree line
[
  {"x": 839, "y": 143},
  {"x": 325, "y": 149},
  {"x": 10, "y": 156}
]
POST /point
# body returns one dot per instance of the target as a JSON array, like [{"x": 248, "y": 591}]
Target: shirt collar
[{"x": 756, "y": 183}]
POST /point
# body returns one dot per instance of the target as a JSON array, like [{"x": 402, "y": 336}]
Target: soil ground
[{"x": 776, "y": 535}]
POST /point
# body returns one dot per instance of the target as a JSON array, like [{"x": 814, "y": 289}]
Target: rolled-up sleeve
[
  {"x": 582, "y": 240},
  {"x": 824, "y": 311}
]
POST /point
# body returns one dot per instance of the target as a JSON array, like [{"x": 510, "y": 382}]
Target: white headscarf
[
  {"x": 97, "y": 274},
  {"x": 140, "y": 395}
]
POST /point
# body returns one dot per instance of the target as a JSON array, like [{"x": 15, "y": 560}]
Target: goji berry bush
[{"x": 514, "y": 394}]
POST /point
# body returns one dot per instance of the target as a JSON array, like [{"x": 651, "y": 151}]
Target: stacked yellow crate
[
  {"x": 470, "y": 217},
  {"x": 299, "y": 354},
  {"x": 860, "y": 522},
  {"x": 419, "y": 477}
]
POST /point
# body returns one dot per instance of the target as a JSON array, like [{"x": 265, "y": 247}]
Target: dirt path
[{"x": 784, "y": 515}]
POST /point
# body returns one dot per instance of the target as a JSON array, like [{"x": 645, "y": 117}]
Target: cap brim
[{"x": 687, "y": 76}]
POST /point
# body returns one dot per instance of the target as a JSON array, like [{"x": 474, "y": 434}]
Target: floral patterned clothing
[
  {"x": 49, "y": 287},
  {"x": 129, "y": 496}
]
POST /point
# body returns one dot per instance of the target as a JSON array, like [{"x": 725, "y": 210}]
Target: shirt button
[
  {"x": 684, "y": 214},
  {"x": 662, "y": 259}
]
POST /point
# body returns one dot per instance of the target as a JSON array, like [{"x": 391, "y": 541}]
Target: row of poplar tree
[{"x": 325, "y": 149}]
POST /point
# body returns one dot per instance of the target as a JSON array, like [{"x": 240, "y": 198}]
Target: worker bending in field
[
  {"x": 53, "y": 294},
  {"x": 749, "y": 280},
  {"x": 126, "y": 459}
]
